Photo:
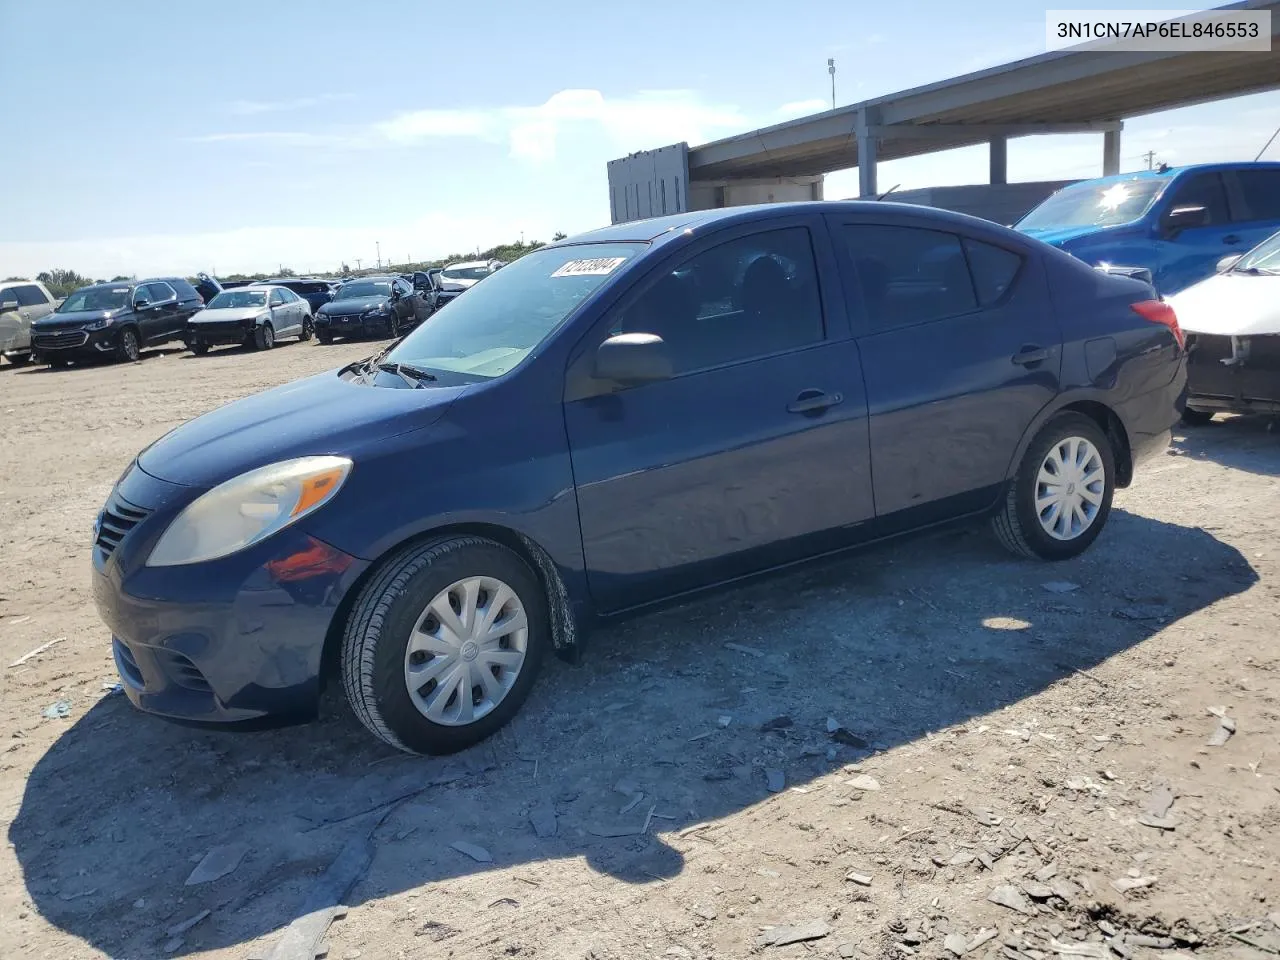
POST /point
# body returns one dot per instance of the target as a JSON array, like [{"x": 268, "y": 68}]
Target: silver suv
[{"x": 21, "y": 303}]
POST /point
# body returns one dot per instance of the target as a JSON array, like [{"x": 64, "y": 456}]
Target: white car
[
  {"x": 1232, "y": 322},
  {"x": 255, "y": 316},
  {"x": 22, "y": 302}
]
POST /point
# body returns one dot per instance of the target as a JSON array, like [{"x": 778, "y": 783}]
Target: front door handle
[
  {"x": 813, "y": 401},
  {"x": 1029, "y": 355},
  {"x": 1231, "y": 238}
]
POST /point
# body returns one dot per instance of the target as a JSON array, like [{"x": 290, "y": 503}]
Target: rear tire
[
  {"x": 200, "y": 349},
  {"x": 1069, "y": 464},
  {"x": 1196, "y": 418},
  {"x": 264, "y": 338},
  {"x": 390, "y": 687},
  {"x": 127, "y": 348},
  {"x": 19, "y": 359},
  {"x": 308, "y": 329}
]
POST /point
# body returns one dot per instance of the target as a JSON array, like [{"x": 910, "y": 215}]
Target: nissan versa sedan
[{"x": 621, "y": 418}]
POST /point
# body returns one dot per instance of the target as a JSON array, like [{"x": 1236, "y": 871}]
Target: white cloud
[
  {"x": 284, "y": 138},
  {"x": 252, "y": 107}
]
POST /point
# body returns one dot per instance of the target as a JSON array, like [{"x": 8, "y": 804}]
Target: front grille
[
  {"x": 59, "y": 341},
  {"x": 183, "y": 672},
  {"x": 118, "y": 517}
]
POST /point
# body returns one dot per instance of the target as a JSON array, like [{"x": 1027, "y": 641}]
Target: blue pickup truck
[{"x": 1177, "y": 222}]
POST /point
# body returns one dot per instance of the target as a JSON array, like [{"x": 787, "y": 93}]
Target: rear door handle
[
  {"x": 1030, "y": 355},
  {"x": 813, "y": 401},
  {"x": 1231, "y": 238}
]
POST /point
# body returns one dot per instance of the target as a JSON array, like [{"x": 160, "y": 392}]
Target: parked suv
[
  {"x": 457, "y": 278},
  {"x": 22, "y": 302},
  {"x": 1176, "y": 222},
  {"x": 115, "y": 320}
]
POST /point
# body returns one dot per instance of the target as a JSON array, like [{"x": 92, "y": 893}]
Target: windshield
[
  {"x": 465, "y": 273},
  {"x": 499, "y": 322},
  {"x": 358, "y": 289},
  {"x": 1094, "y": 205},
  {"x": 239, "y": 298},
  {"x": 96, "y": 298},
  {"x": 1264, "y": 258}
]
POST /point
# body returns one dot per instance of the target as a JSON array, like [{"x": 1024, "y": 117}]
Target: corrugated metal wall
[{"x": 651, "y": 183}]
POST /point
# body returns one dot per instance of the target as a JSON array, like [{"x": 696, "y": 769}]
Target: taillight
[{"x": 1157, "y": 311}]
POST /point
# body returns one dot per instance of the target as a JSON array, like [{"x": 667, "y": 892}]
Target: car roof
[
  {"x": 378, "y": 277},
  {"x": 1169, "y": 172},
  {"x": 468, "y": 263}
]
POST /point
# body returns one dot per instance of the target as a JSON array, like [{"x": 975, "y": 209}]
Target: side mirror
[
  {"x": 1229, "y": 261},
  {"x": 141, "y": 303},
  {"x": 8, "y": 305},
  {"x": 633, "y": 359},
  {"x": 1183, "y": 218}
]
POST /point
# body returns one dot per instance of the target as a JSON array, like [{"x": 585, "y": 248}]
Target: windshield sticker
[{"x": 599, "y": 267}]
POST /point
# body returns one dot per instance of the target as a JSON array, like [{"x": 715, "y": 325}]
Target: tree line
[{"x": 61, "y": 282}]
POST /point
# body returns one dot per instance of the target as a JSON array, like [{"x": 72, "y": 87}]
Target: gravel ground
[{"x": 1021, "y": 766}]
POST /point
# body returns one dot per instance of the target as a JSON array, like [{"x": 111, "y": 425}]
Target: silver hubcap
[
  {"x": 466, "y": 651},
  {"x": 1069, "y": 488}
]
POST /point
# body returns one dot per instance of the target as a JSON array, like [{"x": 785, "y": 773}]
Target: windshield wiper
[
  {"x": 408, "y": 373},
  {"x": 1255, "y": 271}
]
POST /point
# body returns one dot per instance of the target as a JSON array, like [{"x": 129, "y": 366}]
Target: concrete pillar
[
  {"x": 999, "y": 147},
  {"x": 1110, "y": 152},
  {"x": 867, "y": 165}
]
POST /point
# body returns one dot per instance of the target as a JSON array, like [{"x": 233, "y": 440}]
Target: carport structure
[{"x": 1070, "y": 91}]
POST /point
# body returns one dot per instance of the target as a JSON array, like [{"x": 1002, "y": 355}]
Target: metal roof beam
[{"x": 979, "y": 131}]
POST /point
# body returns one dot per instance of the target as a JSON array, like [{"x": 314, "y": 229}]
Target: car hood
[
  {"x": 64, "y": 321},
  {"x": 227, "y": 314},
  {"x": 345, "y": 308},
  {"x": 1057, "y": 236},
  {"x": 323, "y": 414},
  {"x": 1231, "y": 305}
]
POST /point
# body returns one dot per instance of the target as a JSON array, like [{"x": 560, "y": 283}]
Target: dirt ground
[{"x": 1021, "y": 770}]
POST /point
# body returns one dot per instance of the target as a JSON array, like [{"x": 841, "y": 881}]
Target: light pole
[
  {"x": 379, "y": 248},
  {"x": 831, "y": 69}
]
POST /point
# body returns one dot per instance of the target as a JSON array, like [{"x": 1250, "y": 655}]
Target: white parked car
[
  {"x": 21, "y": 303},
  {"x": 1232, "y": 322}
]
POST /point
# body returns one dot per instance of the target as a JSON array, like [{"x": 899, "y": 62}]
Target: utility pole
[
  {"x": 357, "y": 264},
  {"x": 831, "y": 69},
  {"x": 1151, "y": 159},
  {"x": 379, "y": 248}
]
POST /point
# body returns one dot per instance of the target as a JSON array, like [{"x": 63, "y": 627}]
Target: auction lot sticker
[{"x": 599, "y": 267}]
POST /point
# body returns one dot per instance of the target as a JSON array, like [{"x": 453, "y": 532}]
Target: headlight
[
  {"x": 98, "y": 324},
  {"x": 380, "y": 308},
  {"x": 249, "y": 508}
]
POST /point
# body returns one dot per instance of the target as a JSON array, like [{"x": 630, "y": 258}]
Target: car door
[
  {"x": 1253, "y": 193},
  {"x": 960, "y": 351},
  {"x": 33, "y": 304},
  {"x": 755, "y": 452},
  {"x": 1186, "y": 256},
  {"x": 280, "y": 318},
  {"x": 153, "y": 321},
  {"x": 407, "y": 305},
  {"x": 15, "y": 328}
]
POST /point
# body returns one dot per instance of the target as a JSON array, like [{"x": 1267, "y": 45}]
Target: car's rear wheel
[
  {"x": 444, "y": 643},
  {"x": 308, "y": 329},
  {"x": 19, "y": 359},
  {"x": 200, "y": 349},
  {"x": 1196, "y": 418},
  {"x": 264, "y": 338},
  {"x": 1060, "y": 498},
  {"x": 127, "y": 348}
]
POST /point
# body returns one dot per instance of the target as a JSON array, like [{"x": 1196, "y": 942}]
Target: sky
[{"x": 169, "y": 137}]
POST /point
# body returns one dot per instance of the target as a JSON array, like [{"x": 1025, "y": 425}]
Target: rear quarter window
[{"x": 994, "y": 270}]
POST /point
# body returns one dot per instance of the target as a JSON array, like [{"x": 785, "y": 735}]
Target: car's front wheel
[
  {"x": 308, "y": 329},
  {"x": 1059, "y": 500},
  {"x": 444, "y": 643},
  {"x": 127, "y": 347},
  {"x": 1196, "y": 418},
  {"x": 200, "y": 349},
  {"x": 264, "y": 338},
  {"x": 324, "y": 336}
]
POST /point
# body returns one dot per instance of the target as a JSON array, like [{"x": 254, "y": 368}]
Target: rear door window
[
  {"x": 30, "y": 295},
  {"x": 1202, "y": 190},
  {"x": 910, "y": 275},
  {"x": 1261, "y": 193}
]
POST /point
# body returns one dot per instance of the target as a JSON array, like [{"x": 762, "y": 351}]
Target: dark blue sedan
[{"x": 612, "y": 421}]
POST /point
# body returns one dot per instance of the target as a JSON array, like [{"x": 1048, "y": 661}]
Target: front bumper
[
  {"x": 218, "y": 334},
  {"x": 228, "y": 641},
  {"x": 74, "y": 344},
  {"x": 1237, "y": 377},
  {"x": 354, "y": 325}
]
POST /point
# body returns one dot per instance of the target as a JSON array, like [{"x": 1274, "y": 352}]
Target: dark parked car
[
  {"x": 255, "y": 316},
  {"x": 612, "y": 421},
  {"x": 370, "y": 306},
  {"x": 115, "y": 320},
  {"x": 316, "y": 292}
]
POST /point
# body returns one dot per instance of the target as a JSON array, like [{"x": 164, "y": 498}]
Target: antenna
[{"x": 831, "y": 69}]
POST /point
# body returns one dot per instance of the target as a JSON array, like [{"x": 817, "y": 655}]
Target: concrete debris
[
  {"x": 846, "y": 951},
  {"x": 1011, "y": 897},
  {"x": 1060, "y": 586},
  {"x": 849, "y": 739},
  {"x": 863, "y": 781},
  {"x": 217, "y": 863},
  {"x": 1063, "y": 888},
  {"x": 1226, "y": 727},
  {"x": 706, "y": 913},
  {"x": 984, "y": 936},
  {"x": 1160, "y": 823},
  {"x": 1125, "y": 884},
  {"x": 775, "y": 780},
  {"x": 796, "y": 933},
  {"x": 58, "y": 710},
  {"x": 956, "y": 943},
  {"x": 861, "y": 879},
  {"x": 832, "y": 724},
  {"x": 631, "y": 804},
  {"x": 1161, "y": 798},
  {"x": 173, "y": 946},
  {"x": 777, "y": 723},
  {"x": 1096, "y": 951},
  {"x": 1046, "y": 873},
  {"x": 1154, "y": 943},
  {"x": 1036, "y": 890},
  {"x": 477, "y": 853},
  {"x": 985, "y": 817},
  {"x": 543, "y": 820},
  {"x": 178, "y": 929},
  {"x": 724, "y": 720},
  {"x": 37, "y": 651}
]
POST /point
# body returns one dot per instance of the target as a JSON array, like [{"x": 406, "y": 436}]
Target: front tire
[
  {"x": 127, "y": 347},
  {"x": 1196, "y": 418},
  {"x": 324, "y": 337},
  {"x": 444, "y": 643},
  {"x": 19, "y": 359},
  {"x": 1060, "y": 498},
  {"x": 200, "y": 349},
  {"x": 264, "y": 338},
  {"x": 308, "y": 329}
]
